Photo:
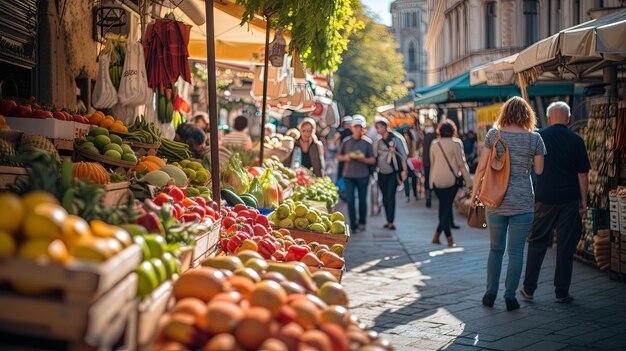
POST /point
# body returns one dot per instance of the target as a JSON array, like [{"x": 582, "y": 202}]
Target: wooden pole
[
  {"x": 212, "y": 87},
  {"x": 264, "y": 107}
]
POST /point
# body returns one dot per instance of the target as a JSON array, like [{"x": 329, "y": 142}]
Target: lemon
[
  {"x": 75, "y": 229},
  {"x": 34, "y": 198},
  {"x": 57, "y": 251},
  {"x": 12, "y": 212},
  {"x": 95, "y": 249},
  {"x": 147, "y": 279},
  {"x": 7, "y": 243},
  {"x": 46, "y": 220}
]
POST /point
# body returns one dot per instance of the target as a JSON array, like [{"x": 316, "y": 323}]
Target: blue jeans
[
  {"x": 359, "y": 185},
  {"x": 517, "y": 227}
]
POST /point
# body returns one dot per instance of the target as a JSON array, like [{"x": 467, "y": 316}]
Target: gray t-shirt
[
  {"x": 356, "y": 169},
  {"x": 519, "y": 197}
]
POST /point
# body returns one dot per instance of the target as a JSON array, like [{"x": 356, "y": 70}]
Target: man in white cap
[{"x": 358, "y": 154}]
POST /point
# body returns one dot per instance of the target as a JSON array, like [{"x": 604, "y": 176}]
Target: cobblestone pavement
[{"x": 428, "y": 297}]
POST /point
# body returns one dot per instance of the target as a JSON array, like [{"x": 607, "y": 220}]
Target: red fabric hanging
[{"x": 167, "y": 56}]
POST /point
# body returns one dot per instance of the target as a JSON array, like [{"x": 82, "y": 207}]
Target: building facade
[
  {"x": 466, "y": 33},
  {"x": 409, "y": 24}
]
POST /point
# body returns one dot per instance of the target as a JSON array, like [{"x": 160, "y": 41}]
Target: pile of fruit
[
  {"x": 108, "y": 122},
  {"x": 166, "y": 175},
  {"x": 304, "y": 177},
  {"x": 37, "y": 226},
  {"x": 100, "y": 142},
  {"x": 321, "y": 189},
  {"x": 283, "y": 175},
  {"x": 30, "y": 109},
  {"x": 280, "y": 306},
  {"x": 298, "y": 215},
  {"x": 195, "y": 172},
  {"x": 29, "y": 148},
  {"x": 188, "y": 209}
]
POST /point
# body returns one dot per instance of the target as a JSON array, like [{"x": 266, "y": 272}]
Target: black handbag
[{"x": 459, "y": 182}]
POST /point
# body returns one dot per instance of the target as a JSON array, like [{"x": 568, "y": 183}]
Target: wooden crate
[
  {"x": 111, "y": 164},
  {"x": 116, "y": 194},
  {"x": 79, "y": 280},
  {"x": 185, "y": 257},
  {"x": 338, "y": 273},
  {"x": 149, "y": 312},
  {"x": 143, "y": 149},
  {"x": 206, "y": 243},
  {"x": 98, "y": 322},
  {"x": 65, "y": 148},
  {"x": 8, "y": 175},
  {"x": 321, "y": 238}
]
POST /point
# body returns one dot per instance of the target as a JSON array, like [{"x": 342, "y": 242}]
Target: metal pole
[
  {"x": 264, "y": 107},
  {"x": 212, "y": 87}
]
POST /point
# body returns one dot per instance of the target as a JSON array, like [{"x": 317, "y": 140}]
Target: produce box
[
  {"x": 8, "y": 175},
  {"x": 143, "y": 149},
  {"x": 117, "y": 166},
  {"x": 185, "y": 257},
  {"x": 338, "y": 273},
  {"x": 86, "y": 324},
  {"x": 149, "y": 312},
  {"x": 81, "y": 130},
  {"x": 321, "y": 238},
  {"x": 116, "y": 194},
  {"x": 50, "y": 127}
]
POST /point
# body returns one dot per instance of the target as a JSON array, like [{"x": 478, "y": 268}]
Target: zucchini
[
  {"x": 249, "y": 200},
  {"x": 231, "y": 198}
]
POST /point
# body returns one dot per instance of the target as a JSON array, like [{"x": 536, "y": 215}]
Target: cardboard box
[{"x": 50, "y": 128}]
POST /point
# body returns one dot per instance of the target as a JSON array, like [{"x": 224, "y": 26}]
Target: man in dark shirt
[
  {"x": 429, "y": 136},
  {"x": 560, "y": 201},
  {"x": 358, "y": 154},
  {"x": 469, "y": 148}
]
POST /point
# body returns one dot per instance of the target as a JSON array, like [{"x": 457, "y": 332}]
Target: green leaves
[{"x": 319, "y": 28}]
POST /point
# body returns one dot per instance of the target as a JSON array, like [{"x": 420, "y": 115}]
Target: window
[
  {"x": 490, "y": 25},
  {"x": 530, "y": 22},
  {"x": 414, "y": 20},
  {"x": 599, "y": 4},
  {"x": 558, "y": 15},
  {"x": 412, "y": 60},
  {"x": 576, "y": 7}
]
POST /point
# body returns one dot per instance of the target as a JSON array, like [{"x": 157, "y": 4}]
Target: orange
[
  {"x": 106, "y": 123},
  {"x": 96, "y": 119},
  {"x": 12, "y": 212},
  {"x": 118, "y": 127},
  {"x": 270, "y": 295},
  {"x": 109, "y": 117}
]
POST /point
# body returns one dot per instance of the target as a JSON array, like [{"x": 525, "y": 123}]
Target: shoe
[
  {"x": 566, "y": 299},
  {"x": 428, "y": 204},
  {"x": 451, "y": 242},
  {"x": 454, "y": 226},
  {"x": 361, "y": 227},
  {"x": 408, "y": 200},
  {"x": 488, "y": 300},
  {"x": 386, "y": 225},
  {"x": 391, "y": 226},
  {"x": 354, "y": 230},
  {"x": 526, "y": 296},
  {"x": 511, "y": 304},
  {"x": 436, "y": 238}
]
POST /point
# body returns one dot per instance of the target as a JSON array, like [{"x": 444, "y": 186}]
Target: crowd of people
[{"x": 546, "y": 186}]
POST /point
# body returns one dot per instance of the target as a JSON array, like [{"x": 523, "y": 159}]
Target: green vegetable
[{"x": 231, "y": 198}]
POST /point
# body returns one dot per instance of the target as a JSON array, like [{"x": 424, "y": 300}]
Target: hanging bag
[
  {"x": 104, "y": 95},
  {"x": 496, "y": 178},
  {"x": 134, "y": 84},
  {"x": 476, "y": 217}
]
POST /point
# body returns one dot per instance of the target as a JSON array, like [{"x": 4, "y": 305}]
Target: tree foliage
[
  {"x": 319, "y": 28},
  {"x": 372, "y": 71}
]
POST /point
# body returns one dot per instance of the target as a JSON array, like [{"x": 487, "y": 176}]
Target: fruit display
[
  {"x": 304, "y": 177},
  {"x": 284, "y": 176},
  {"x": 295, "y": 214},
  {"x": 100, "y": 142},
  {"x": 108, "y": 122},
  {"x": 321, "y": 189},
  {"x": 32, "y": 147},
  {"x": 267, "y": 306},
  {"x": 186, "y": 208},
  {"x": 92, "y": 171},
  {"x": 195, "y": 172},
  {"x": 117, "y": 55},
  {"x": 149, "y": 163},
  {"x": 30, "y": 109},
  {"x": 157, "y": 266}
]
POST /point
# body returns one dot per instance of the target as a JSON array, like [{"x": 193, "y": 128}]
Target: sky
[{"x": 381, "y": 8}]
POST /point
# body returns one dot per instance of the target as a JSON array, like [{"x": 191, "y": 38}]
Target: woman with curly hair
[{"x": 510, "y": 222}]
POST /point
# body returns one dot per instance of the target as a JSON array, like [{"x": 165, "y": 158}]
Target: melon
[{"x": 177, "y": 174}]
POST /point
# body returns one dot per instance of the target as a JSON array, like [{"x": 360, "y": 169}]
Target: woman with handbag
[
  {"x": 308, "y": 152},
  {"x": 502, "y": 183},
  {"x": 448, "y": 173},
  {"x": 391, "y": 154}
]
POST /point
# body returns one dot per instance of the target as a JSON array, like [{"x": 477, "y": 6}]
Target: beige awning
[
  {"x": 539, "y": 53},
  {"x": 498, "y": 72},
  {"x": 611, "y": 40}
]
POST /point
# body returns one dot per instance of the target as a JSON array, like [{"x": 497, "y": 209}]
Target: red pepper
[
  {"x": 151, "y": 222},
  {"x": 266, "y": 248},
  {"x": 176, "y": 193},
  {"x": 199, "y": 210},
  {"x": 162, "y": 198},
  {"x": 190, "y": 217},
  {"x": 235, "y": 241},
  {"x": 200, "y": 200},
  {"x": 178, "y": 211},
  {"x": 262, "y": 220},
  {"x": 240, "y": 207},
  {"x": 296, "y": 252},
  {"x": 187, "y": 202},
  {"x": 224, "y": 244}
]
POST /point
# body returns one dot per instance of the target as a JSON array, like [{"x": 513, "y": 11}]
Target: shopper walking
[
  {"x": 391, "y": 158},
  {"x": 308, "y": 152},
  {"x": 429, "y": 136},
  {"x": 447, "y": 162},
  {"x": 560, "y": 201},
  {"x": 414, "y": 167},
  {"x": 510, "y": 223},
  {"x": 357, "y": 153}
]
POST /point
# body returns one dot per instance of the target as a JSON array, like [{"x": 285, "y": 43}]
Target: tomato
[
  {"x": 199, "y": 210},
  {"x": 7, "y": 107},
  {"x": 190, "y": 217},
  {"x": 162, "y": 198},
  {"x": 22, "y": 111},
  {"x": 227, "y": 222},
  {"x": 200, "y": 200},
  {"x": 42, "y": 114},
  {"x": 240, "y": 207}
]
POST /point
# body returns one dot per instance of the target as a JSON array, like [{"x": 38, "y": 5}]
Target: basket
[
  {"x": 11, "y": 136},
  {"x": 117, "y": 166},
  {"x": 143, "y": 149}
]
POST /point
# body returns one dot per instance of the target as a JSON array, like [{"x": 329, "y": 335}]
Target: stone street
[{"x": 428, "y": 297}]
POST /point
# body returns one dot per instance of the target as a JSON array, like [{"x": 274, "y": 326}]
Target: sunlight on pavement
[{"x": 445, "y": 251}]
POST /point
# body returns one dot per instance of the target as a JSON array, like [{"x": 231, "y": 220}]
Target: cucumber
[
  {"x": 249, "y": 200},
  {"x": 231, "y": 198}
]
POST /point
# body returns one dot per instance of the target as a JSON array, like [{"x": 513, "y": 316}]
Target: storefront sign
[{"x": 486, "y": 116}]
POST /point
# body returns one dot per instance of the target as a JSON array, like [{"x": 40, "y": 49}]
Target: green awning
[{"x": 458, "y": 89}]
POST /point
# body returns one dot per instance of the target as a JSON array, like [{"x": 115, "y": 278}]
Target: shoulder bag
[
  {"x": 458, "y": 179},
  {"x": 496, "y": 178}
]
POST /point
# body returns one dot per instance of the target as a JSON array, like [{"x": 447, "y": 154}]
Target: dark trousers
[
  {"x": 446, "y": 199},
  {"x": 565, "y": 218},
  {"x": 357, "y": 185},
  {"x": 412, "y": 180},
  {"x": 427, "y": 182},
  {"x": 388, "y": 184}
]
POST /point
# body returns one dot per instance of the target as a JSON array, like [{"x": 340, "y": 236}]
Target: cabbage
[
  {"x": 256, "y": 190},
  {"x": 234, "y": 177},
  {"x": 270, "y": 189}
]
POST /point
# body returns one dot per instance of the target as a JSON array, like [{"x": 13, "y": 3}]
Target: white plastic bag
[
  {"x": 104, "y": 95},
  {"x": 134, "y": 84}
]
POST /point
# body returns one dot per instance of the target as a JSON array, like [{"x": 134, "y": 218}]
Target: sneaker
[
  {"x": 488, "y": 300},
  {"x": 361, "y": 227},
  {"x": 566, "y": 299},
  {"x": 428, "y": 203},
  {"x": 511, "y": 304},
  {"x": 526, "y": 296}
]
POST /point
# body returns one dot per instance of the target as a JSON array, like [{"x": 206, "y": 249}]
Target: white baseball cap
[
  {"x": 359, "y": 120},
  {"x": 347, "y": 119}
]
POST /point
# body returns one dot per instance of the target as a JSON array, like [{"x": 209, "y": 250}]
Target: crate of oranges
[{"x": 109, "y": 122}]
